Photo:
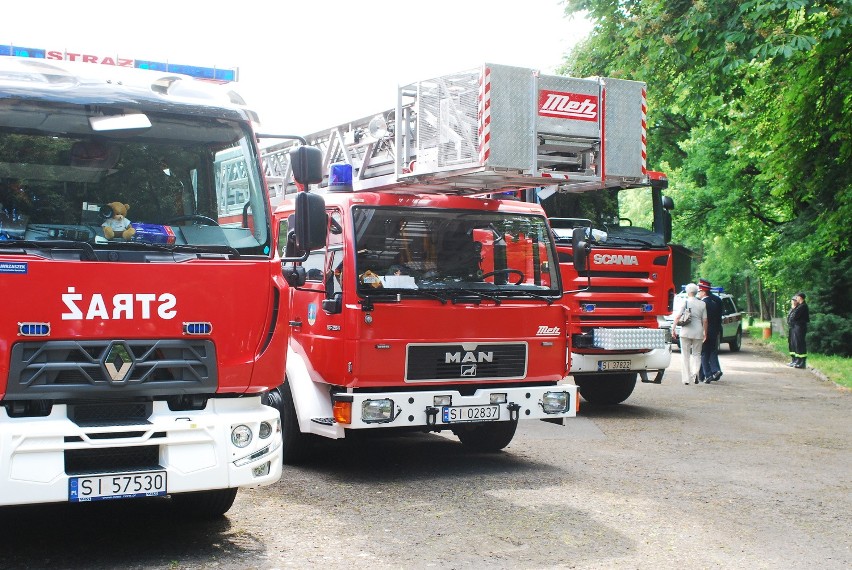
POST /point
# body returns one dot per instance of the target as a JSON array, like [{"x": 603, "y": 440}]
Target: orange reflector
[
  {"x": 577, "y": 403},
  {"x": 343, "y": 412}
]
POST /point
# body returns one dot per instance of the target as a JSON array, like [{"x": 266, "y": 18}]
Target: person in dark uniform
[
  {"x": 797, "y": 321},
  {"x": 710, "y": 368}
]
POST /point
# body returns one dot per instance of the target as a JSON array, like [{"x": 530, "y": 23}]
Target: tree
[{"x": 750, "y": 113}]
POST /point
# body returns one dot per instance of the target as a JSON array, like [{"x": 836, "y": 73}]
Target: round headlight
[
  {"x": 241, "y": 436},
  {"x": 265, "y": 430}
]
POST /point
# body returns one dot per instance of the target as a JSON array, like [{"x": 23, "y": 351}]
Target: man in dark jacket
[
  {"x": 710, "y": 368},
  {"x": 797, "y": 321}
]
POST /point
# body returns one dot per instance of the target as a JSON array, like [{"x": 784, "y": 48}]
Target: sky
[{"x": 307, "y": 65}]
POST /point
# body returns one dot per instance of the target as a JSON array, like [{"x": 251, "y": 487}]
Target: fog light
[
  {"x": 555, "y": 402},
  {"x": 342, "y": 412},
  {"x": 265, "y": 430},
  {"x": 241, "y": 436},
  {"x": 498, "y": 398},
  {"x": 377, "y": 410},
  {"x": 261, "y": 470},
  {"x": 439, "y": 401}
]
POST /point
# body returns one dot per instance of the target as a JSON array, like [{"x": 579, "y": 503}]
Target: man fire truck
[
  {"x": 132, "y": 362},
  {"x": 437, "y": 303}
]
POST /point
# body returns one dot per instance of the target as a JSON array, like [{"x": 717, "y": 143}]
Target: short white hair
[{"x": 691, "y": 289}]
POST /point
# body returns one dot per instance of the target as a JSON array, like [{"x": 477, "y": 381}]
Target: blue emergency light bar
[{"x": 211, "y": 73}]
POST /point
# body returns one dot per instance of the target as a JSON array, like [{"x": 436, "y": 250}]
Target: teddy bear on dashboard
[{"x": 118, "y": 224}]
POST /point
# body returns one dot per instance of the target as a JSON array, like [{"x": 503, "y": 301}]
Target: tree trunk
[
  {"x": 749, "y": 301},
  {"x": 764, "y": 310}
]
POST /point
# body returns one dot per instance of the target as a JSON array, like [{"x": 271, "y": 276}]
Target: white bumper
[
  {"x": 193, "y": 447},
  {"x": 418, "y": 409},
  {"x": 656, "y": 359}
]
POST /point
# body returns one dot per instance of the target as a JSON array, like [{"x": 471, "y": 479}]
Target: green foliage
[
  {"x": 750, "y": 115},
  {"x": 830, "y": 335}
]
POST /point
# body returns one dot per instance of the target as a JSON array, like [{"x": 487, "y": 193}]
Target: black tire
[
  {"x": 486, "y": 436},
  {"x": 295, "y": 443},
  {"x": 204, "y": 504},
  {"x": 736, "y": 344},
  {"x": 606, "y": 389}
]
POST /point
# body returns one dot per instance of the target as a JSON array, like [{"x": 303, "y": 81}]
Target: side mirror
[
  {"x": 333, "y": 306},
  {"x": 668, "y": 203},
  {"x": 311, "y": 223},
  {"x": 306, "y": 162},
  {"x": 295, "y": 275},
  {"x": 581, "y": 247}
]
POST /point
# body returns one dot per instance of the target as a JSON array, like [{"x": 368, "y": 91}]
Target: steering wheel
[
  {"x": 197, "y": 218},
  {"x": 517, "y": 272}
]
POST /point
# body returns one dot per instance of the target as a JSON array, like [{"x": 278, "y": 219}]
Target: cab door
[{"x": 317, "y": 308}]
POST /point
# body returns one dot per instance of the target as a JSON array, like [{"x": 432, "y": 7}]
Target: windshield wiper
[
  {"x": 177, "y": 248},
  {"x": 613, "y": 237},
  {"x": 53, "y": 244},
  {"x": 516, "y": 294},
  {"x": 474, "y": 293}
]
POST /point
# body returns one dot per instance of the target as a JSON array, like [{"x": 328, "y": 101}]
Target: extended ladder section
[{"x": 487, "y": 130}]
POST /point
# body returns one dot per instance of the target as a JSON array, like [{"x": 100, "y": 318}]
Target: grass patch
[{"x": 838, "y": 369}]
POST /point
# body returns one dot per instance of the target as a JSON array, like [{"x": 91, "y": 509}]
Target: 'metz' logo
[
  {"x": 564, "y": 105},
  {"x": 545, "y": 330},
  {"x": 122, "y": 306},
  {"x": 457, "y": 357},
  {"x": 606, "y": 259}
]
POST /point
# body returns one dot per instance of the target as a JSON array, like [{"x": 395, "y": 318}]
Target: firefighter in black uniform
[{"x": 797, "y": 321}]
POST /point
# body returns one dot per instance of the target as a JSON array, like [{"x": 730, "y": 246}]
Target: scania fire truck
[
  {"x": 133, "y": 364},
  {"x": 437, "y": 303}
]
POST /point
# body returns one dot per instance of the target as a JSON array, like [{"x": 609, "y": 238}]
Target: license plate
[
  {"x": 117, "y": 486},
  {"x": 455, "y": 414},
  {"x": 613, "y": 365}
]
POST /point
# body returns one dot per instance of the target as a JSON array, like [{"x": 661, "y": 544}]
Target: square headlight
[{"x": 555, "y": 402}]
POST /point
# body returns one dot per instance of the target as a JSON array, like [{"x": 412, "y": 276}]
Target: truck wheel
[
  {"x": 605, "y": 389},
  {"x": 486, "y": 436},
  {"x": 295, "y": 443},
  {"x": 736, "y": 344},
  {"x": 204, "y": 504}
]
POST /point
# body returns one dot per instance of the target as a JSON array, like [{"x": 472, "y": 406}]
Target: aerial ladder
[{"x": 488, "y": 130}]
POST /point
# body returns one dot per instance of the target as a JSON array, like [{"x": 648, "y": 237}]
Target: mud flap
[{"x": 658, "y": 379}]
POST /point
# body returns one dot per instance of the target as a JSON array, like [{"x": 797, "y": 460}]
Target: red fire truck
[
  {"x": 142, "y": 321},
  {"x": 437, "y": 303}
]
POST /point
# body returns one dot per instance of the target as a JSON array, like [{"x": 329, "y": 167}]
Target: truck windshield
[
  {"x": 490, "y": 253},
  {"x": 624, "y": 216},
  {"x": 171, "y": 182}
]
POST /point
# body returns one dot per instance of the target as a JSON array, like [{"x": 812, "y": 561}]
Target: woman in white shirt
[{"x": 692, "y": 334}]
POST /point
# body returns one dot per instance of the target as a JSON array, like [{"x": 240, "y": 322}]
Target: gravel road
[{"x": 751, "y": 472}]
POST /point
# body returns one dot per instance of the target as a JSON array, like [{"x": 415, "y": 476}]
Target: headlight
[
  {"x": 498, "y": 398},
  {"x": 377, "y": 410},
  {"x": 265, "y": 430},
  {"x": 555, "y": 402},
  {"x": 241, "y": 436}
]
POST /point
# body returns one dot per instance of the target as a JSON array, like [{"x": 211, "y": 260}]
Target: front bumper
[
  {"x": 193, "y": 447},
  {"x": 419, "y": 409}
]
